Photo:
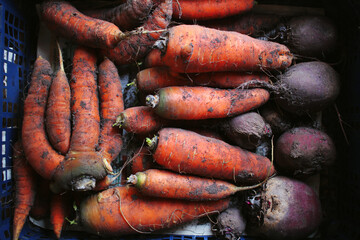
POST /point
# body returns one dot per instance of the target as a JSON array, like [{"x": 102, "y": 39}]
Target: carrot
[
  {"x": 205, "y": 9},
  {"x": 187, "y": 152},
  {"x": 38, "y": 151},
  {"x": 141, "y": 160},
  {"x": 25, "y": 185},
  {"x": 192, "y": 103},
  {"x": 111, "y": 105},
  {"x": 60, "y": 209},
  {"x": 65, "y": 20},
  {"x": 194, "y": 49},
  {"x": 166, "y": 184},
  {"x": 105, "y": 183},
  {"x": 58, "y": 115},
  {"x": 138, "y": 44},
  {"x": 152, "y": 79},
  {"x": 126, "y": 16},
  {"x": 123, "y": 210},
  {"x": 83, "y": 165}
]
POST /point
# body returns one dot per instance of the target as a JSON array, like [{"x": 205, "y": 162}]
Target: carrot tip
[
  {"x": 119, "y": 121},
  {"x": 132, "y": 179},
  {"x": 152, "y": 142},
  {"x": 152, "y": 100}
]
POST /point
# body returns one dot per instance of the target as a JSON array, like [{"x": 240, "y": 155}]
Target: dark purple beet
[
  {"x": 287, "y": 209},
  {"x": 307, "y": 87},
  {"x": 278, "y": 121},
  {"x": 303, "y": 151}
]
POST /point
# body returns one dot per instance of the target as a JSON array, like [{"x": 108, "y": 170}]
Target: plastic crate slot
[
  {"x": 3, "y": 165},
  {"x": 10, "y": 106},
  {"x": 4, "y": 123},
  {"x": 15, "y": 108},
  {"x": 3, "y": 136},
  {"x": 4, "y": 106},
  {"x": 6, "y": 234},
  {"x": 3, "y": 149}
]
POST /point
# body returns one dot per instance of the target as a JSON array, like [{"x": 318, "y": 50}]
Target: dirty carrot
[
  {"x": 187, "y": 152},
  {"x": 126, "y": 16},
  {"x": 191, "y": 103},
  {"x": 25, "y": 185},
  {"x": 65, "y": 20},
  {"x": 139, "y": 42},
  {"x": 141, "y": 160},
  {"x": 194, "y": 49},
  {"x": 107, "y": 182},
  {"x": 83, "y": 164},
  {"x": 111, "y": 105},
  {"x": 60, "y": 208},
  {"x": 124, "y": 210},
  {"x": 58, "y": 114},
  {"x": 166, "y": 184},
  {"x": 205, "y": 9},
  {"x": 38, "y": 151}
]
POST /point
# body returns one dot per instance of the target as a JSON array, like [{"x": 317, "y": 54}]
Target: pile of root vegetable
[{"x": 227, "y": 124}]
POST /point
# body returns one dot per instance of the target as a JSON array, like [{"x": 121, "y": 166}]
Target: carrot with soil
[
  {"x": 58, "y": 114},
  {"x": 141, "y": 160},
  {"x": 38, "y": 151},
  {"x": 195, "y": 49},
  {"x": 65, "y": 20},
  {"x": 187, "y": 152},
  {"x": 139, "y": 42},
  {"x": 205, "y": 9},
  {"x": 192, "y": 103},
  {"x": 25, "y": 185},
  {"x": 111, "y": 105},
  {"x": 166, "y": 184},
  {"x": 60, "y": 209},
  {"x": 124, "y": 210}
]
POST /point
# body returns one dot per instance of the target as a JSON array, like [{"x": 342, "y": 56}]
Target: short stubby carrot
[
  {"x": 38, "y": 151},
  {"x": 168, "y": 184},
  {"x": 187, "y": 152},
  {"x": 152, "y": 79},
  {"x": 124, "y": 210},
  {"x": 58, "y": 114},
  {"x": 141, "y": 160},
  {"x": 127, "y": 15},
  {"x": 192, "y": 103},
  {"x": 83, "y": 163},
  {"x": 65, "y": 20},
  {"x": 25, "y": 185},
  {"x": 194, "y": 49},
  {"x": 138, "y": 44},
  {"x": 111, "y": 105},
  {"x": 205, "y": 9}
]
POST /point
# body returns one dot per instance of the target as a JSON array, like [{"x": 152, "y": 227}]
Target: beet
[
  {"x": 230, "y": 224},
  {"x": 285, "y": 208},
  {"x": 303, "y": 151},
  {"x": 278, "y": 121},
  {"x": 247, "y": 130},
  {"x": 307, "y": 87}
]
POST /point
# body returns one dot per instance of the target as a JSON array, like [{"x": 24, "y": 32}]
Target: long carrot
[
  {"x": 192, "y": 103},
  {"x": 111, "y": 105},
  {"x": 126, "y": 15},
  {"x": 185, "y": 151},
  {"x": 65, "y": 20},
  {"x": 25, "y": 185},
  {"x": 138, "y": 44},
  {"x": 123, "y": 210},
  {"x": 58, "y": 115},
  {"x": 205, "y": 9},
  {"x": 38, "y": 151},
  {"x": 166, "y": 184},
  {"x": 194, "y": 49},
  {"x": 152, "y": 79},
  {"x": 83, "y": 165}
]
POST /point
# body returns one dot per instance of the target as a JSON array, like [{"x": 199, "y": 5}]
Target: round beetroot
[
  {"x": 307, "y": 87},
  {"x": 303, "y": 151},
  {"x": 286, "y": 209}
]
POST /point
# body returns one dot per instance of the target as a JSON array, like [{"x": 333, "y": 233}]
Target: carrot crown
[
  {"x": 152, "y": 100},
  {"x": 152, "y": 142}
]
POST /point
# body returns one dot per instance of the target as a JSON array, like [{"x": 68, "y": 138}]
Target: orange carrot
[
  {"x": 152, "y": 79},
  {"x": 111, "y": 105},
  {"x": 203, "y": 102},
  {"x": 126, "y": 16},
  {"x": 137, "y": 44},
  {"x": 58, "y": 115},
  {"x": 187, "y": 152},
  {"x": 25, "y": 185},
  {"x": 194, "y": 49},
  {"x": 83, "y": 165},
  {"x": 38, "y": 151},
  {"x": 64, "y": 19},
  {"x": 205, "y": 9},
  {"x": 107, "y": 182},
  {"x": 141, "y": 160},
  {"x": 123, "y": 210},
  {"x": 60, "y": 209},
  {"x": 166, "y": 184}
]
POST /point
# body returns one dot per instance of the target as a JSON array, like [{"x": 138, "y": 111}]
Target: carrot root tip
[
  {"x": 107, "y": 166},
  {"x": 119, "y": 121},
  {"x": 132, "y": 179},
  {"x": 152, "y": 100},
  {"x": 152, "y": 142}
]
